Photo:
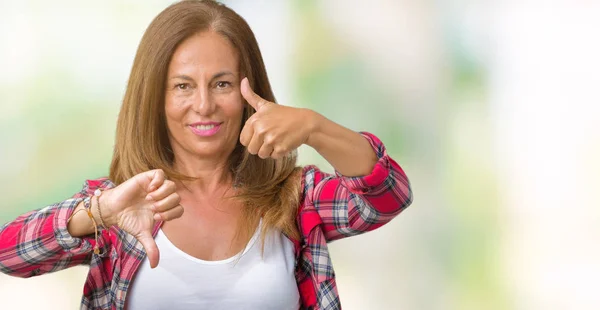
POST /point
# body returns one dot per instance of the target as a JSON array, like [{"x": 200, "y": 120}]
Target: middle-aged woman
[{"x": 204, "y": 169}]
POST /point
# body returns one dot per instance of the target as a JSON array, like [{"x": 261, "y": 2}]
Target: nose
[{"x": 203, "y": 103}]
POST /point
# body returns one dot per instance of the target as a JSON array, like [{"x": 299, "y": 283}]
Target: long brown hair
[{"x": 268, "y": 188}]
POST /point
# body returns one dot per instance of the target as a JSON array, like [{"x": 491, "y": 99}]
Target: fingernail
[
  {"x": 157, "y": 217},
  {"x": 149, "y": 197}
]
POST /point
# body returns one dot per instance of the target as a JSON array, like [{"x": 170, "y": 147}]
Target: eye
[
  {"x": 223, "y": 84},
  {"x": 183, "y": 86}
]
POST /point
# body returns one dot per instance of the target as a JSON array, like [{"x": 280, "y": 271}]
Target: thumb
[
  {"x": 145, "y": 238},
  {"x": 253, "y": 99}
]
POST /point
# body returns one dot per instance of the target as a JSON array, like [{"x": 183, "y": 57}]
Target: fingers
[
  {"x": 255, "y": 144},
  {"x": 167, "y": 203},
  {"x": 247, "y": 132},
  {"x": 145, "y": 238},
  {"x": 257, "y": 134},
  {"x": 167, "y": 188},
  {"x": 279, "y": 153},
  {"x": 251, "y": 97},
  {"x": 256, "y": 139},
  {"x": 157, "y": 179},
  {"x": 265, "y": 150},
  {"x": 166, "y": 199},
  {"x": 170, "y": 214}
]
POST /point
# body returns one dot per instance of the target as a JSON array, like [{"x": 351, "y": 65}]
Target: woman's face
[{"x": 203, "y": 103}]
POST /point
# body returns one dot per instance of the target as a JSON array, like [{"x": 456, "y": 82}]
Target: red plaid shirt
[{"x": 332, "y": 207}]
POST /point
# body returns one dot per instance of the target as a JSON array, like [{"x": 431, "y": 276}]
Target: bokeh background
[{"x": 491, "y": 107}]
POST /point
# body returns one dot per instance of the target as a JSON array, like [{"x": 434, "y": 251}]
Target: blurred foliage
[{"x": 63, "y": 128}]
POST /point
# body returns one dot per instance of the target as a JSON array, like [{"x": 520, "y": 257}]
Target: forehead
[{"x": 204, "y": 52}]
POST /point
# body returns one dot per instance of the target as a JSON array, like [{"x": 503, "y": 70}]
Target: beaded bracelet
[
  {"x": 87, "y": 205},
  {"x": 87, "y": 208},
  {"x": 97, "y": 194}
]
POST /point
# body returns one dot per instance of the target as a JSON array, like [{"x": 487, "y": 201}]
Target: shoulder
[
  {"x": 312, "y": 181},
  {"x": 311, "y": 174}
]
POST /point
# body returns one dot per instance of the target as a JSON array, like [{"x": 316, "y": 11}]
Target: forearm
[
  {"x": 352, "y": 205},
  {"x": 346, "y": 150},
  {"x": 39, "y": 242}
]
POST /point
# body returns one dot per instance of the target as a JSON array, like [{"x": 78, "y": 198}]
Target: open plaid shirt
[{"x": 332, "y": 207}]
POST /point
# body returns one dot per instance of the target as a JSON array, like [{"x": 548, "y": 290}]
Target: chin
[{"x": 213, "y": 150}]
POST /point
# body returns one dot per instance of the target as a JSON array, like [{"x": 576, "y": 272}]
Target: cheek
[
  {"x": 174, "y": 117},
  {"x": 233, "y": 108},
  {"x": 173, "y": 109}
]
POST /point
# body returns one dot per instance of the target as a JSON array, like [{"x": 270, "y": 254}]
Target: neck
[{"x": 210, "y": 175}]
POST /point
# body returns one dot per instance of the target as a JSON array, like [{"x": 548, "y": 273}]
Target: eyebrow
[
  {"x": 222, "y": 73},
  {"x": 215, "y": 76}
]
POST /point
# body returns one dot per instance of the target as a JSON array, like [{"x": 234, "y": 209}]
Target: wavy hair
[{"x": 268, "y": 188}]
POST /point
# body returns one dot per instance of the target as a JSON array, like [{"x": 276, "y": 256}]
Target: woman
[{"x": 204, "y": 169}]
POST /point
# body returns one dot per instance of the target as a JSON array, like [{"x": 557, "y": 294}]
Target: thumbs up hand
[{"x": 275, "y": 130}]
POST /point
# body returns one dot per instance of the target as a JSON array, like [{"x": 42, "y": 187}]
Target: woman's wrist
[
  {"x": 79, "y": 224},
  {"x": 100, "y": 210},
  {"x": 314, "y": 123}
]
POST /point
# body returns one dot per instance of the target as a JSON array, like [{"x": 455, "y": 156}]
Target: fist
[
  {"x": 137, "y": 203},
  {"x": 274, "y": 130}
]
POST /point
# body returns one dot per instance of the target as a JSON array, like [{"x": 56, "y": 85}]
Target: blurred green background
[{"x": 490, "y": 107}]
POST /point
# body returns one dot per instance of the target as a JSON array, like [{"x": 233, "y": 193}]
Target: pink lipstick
[{"x": 205, "y": 129}]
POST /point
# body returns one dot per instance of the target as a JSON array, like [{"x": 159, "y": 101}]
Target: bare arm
[{"x": 346, "y": 150}]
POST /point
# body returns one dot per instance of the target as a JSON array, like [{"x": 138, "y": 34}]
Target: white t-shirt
[{"x": 183, "y": 282}]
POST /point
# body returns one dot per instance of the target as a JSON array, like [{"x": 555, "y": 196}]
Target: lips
[{"x": 205, "y": 129}]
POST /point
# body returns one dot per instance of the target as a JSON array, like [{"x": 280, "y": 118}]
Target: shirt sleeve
[
  {"x": 347, "y": 206},
  {"x": 38, "y": 242}
]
